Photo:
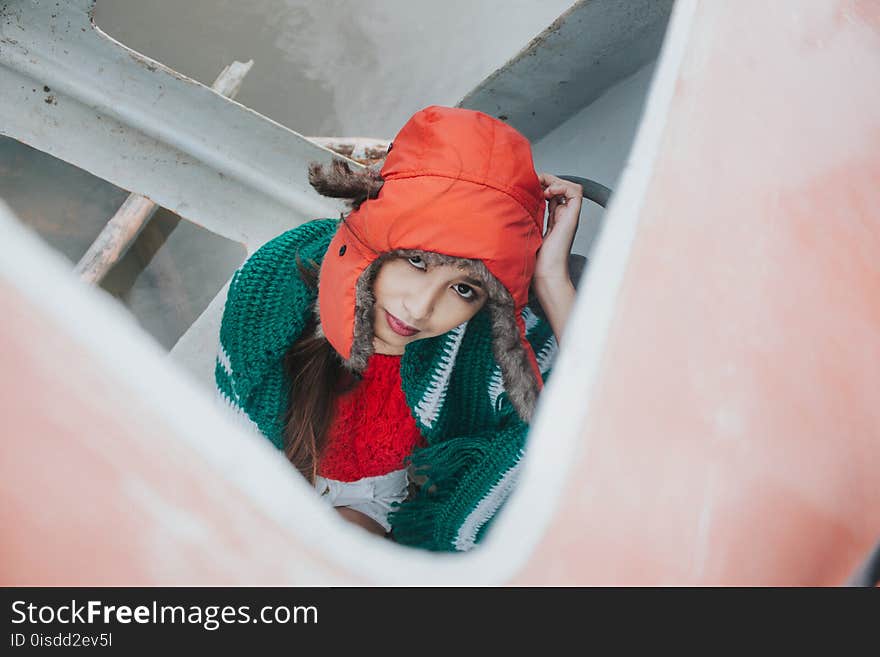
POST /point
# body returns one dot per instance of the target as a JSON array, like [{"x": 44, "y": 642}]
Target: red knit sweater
[{"x": 373, "y": 430}]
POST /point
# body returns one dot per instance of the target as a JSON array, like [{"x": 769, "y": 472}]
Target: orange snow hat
[{"x": 461, "y": 184}]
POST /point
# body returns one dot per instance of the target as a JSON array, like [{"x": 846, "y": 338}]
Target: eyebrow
[{"x": 473, "y": 281}]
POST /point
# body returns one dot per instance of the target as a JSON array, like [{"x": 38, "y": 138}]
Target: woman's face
[{"x": 415, "y": 300}]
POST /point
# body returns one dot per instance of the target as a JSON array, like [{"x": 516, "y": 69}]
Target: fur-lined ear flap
[
  {"x": 340, "y": 180},
  {"x": 507, "y": 344},
  {"x": 364, "y": 303},
  {"x": 510, "y": 354}
]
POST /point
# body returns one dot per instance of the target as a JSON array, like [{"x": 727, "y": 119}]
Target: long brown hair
[{"x": 312, "y": 366}]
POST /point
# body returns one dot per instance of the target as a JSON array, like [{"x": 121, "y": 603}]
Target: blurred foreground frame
[{"x": 712, "y": 417}]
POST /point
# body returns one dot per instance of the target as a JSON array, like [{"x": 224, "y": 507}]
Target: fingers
[
  {"x": 551, "y": 212},
  {"x": 555, "y": 186}
]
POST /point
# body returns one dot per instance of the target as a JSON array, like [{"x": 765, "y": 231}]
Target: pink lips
[{"x": 399, "y": 327}]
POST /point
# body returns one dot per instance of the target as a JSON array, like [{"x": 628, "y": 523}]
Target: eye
[
  {"x": 417, "y": 262},
  {"x": 466, "y": 292}
]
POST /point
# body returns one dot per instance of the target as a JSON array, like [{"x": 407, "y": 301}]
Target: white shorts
[{"x": 372, "y": 496}]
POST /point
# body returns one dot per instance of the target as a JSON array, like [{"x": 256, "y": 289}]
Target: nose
[{"x": 419, "y": 304}]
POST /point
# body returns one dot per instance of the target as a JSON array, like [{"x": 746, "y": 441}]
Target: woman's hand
[
  {"x": 563, "y": 213},
  {"x": 551, "y": 281}
]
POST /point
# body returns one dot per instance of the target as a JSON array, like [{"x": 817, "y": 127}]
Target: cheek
[
  {"x": 388, "y": 282},
  {"x": 453, "y": 312}
]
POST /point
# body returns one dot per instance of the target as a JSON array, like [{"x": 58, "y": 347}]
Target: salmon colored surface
[
  {"x": 734, "y": 437},
  {"x": 732, "y": 431},
  {"x": 98, "y": 489}
]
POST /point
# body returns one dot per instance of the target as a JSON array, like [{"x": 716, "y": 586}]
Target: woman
[{"x": 396, "y": 343}]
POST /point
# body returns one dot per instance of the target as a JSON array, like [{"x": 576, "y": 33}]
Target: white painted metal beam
[
  {"x": 588, "y": 49},
  {"x": 71, "y": 91}
]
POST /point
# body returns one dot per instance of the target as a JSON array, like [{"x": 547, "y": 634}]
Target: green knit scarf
[{"x": 452, "y": 384}]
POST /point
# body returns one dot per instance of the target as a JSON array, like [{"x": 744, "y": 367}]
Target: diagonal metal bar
[
  {"x": 72, "y": 91},
  {"x": 570, "y": 64}
]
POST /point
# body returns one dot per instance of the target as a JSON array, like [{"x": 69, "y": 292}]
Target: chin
[{"x": 395, "y": 340}]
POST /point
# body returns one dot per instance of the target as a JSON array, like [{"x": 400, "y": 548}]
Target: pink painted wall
[
  {"x": 735, "y": 434},
  {"x": 98, "y": 490}
]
